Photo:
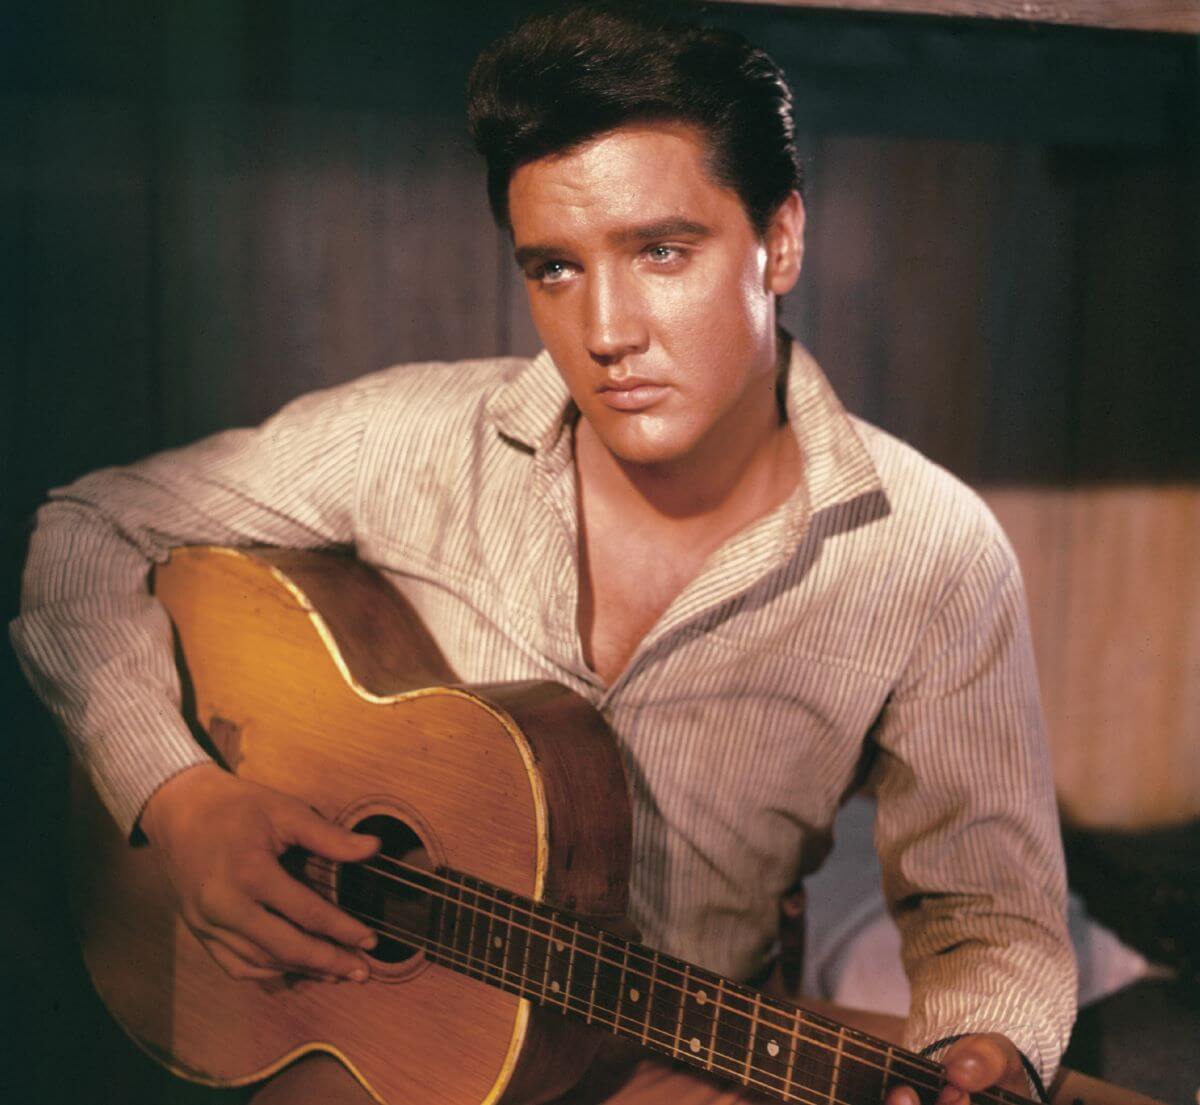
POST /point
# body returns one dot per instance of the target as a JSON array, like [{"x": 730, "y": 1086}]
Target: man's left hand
[{"x": 972, "y": 1064}]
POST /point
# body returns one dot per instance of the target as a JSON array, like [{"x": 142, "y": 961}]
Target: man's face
[{"x": 651, "y": 289}]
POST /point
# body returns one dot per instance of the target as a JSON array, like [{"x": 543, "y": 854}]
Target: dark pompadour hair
[{"x": 571, "y": 73}]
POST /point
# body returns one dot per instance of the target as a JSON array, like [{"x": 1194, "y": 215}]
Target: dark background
[{"x": 206, "y": 209}]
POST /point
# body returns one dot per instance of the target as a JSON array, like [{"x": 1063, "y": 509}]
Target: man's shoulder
[
  {"x": 440, "y": 393},
  {"x": 929, "y": 506},
  {"x": 463, "y": 383},
  {"x": 438, "y": 403}
]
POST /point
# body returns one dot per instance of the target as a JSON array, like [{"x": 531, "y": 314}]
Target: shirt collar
[{"x": 533, "y": 407}]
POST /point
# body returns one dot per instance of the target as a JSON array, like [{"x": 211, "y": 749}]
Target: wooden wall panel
[
  {"x": 78, "y": 338},
  {"x": 963, "y": 347},
  {"x": 306, "y": 247},
  {"x": 1113, "y": 578}
]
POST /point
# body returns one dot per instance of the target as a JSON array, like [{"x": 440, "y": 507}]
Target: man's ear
[{"x": 784, "y": 240}]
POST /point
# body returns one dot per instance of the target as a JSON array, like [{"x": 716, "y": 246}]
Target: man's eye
[
  {"x": 664, "y": 255},
  {"x": 552, "y": 272}
]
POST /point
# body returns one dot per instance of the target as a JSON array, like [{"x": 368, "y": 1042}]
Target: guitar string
[
  {"x": 789, "y": 1091},
  {"x": 786, "y": 1090},
  {"x": 608, "y": 994},
  {"x": 914, "y": 1062},
  {"x": 864, "y": 1042}
]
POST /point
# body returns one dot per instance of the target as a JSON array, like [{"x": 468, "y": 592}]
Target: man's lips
[{"x": 630, "y": 393}]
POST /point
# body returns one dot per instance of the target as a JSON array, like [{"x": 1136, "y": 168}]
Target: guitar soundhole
[{"x": 381, "y": 893}]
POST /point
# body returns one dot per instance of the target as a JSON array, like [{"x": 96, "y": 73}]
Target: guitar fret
[
  {"x": 559, "y": 949},
  {"x": 621, "y": 988},
  {"x": 857, "y": 1070},
  {"x": 504, "y": 970},
  {"x": 753, "y": 1038},
  {"x": 683, "y": 992},
  {"x": 545, "y": 958},
  {"x": 791, "y": 1064},
  {"x": 571, "y": 963},
  {"x": 712, "y": 1036},
  {"x": 837, "y": 1067},
  {"x": 595, "y": 976},
  {"x": 887, "y": 1070},
  {"x": 473, "y": 968},
  {"x": 650, "y": 997},
  {"x": 487, "y": 937},
  {"x": 456, "y": 923},
  {"x": 525, "y": 939},
  {"x": 479, "y": 940}
]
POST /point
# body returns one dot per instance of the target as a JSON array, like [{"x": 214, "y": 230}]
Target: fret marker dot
[
  {"x": 634, "y": 995},
  {"x": 497, "y": 942},
  {"x": 694, "y": 1043},
  {"x": 772, "y": 1049},
  {"x": 554, "y": 985},
  {"x": 701, "y": 996},
  {"x": 559, "y": 945}
]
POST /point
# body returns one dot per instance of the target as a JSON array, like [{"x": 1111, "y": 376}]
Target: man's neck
[{"x": 732, "y": 477}]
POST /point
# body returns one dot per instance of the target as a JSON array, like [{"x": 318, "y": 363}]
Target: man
[{"x": 668, "y": 512}]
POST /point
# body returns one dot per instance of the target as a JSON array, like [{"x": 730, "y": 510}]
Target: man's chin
[{"x": 647, "y": 454}]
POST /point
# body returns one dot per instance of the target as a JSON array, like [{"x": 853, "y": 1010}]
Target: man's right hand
[{"x": 221, "y": 838}]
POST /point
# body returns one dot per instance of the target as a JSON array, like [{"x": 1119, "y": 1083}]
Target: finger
[
  {"x": 902, "y": 1095},
  {"x": 238, "y": 908},
  {"x": 288, "y": 945},
  {"x": 974, "y": 1063},
  {"x": 310, "y": 830},
  {"x": 243, "y": 948},
  {"x": 234, "y": 965},
  {"x": 314, "y": 914},
  {"x": 211, "y": 926}
]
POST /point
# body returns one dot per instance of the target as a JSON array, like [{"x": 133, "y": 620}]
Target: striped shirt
[{"x": 877, "y": 613}]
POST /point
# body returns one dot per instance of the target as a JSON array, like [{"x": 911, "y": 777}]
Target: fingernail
[
  {"x": 368, "y": 942},
  {"x": 359, "y": 974}
]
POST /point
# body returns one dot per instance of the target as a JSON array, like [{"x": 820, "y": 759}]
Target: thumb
[
  {"x": 976, "y": 1062},
  {"x": 311, "y": 831}
]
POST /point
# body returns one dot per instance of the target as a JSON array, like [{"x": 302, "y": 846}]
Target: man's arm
[
  {"x": 968, "y": 836},
  {"x": 98, "y": 649}
]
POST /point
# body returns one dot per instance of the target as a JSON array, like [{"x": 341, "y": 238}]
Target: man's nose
[{"x": 615, "y": 326}]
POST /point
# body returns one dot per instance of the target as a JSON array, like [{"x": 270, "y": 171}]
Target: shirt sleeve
[
  {"x": 93, "y": 642},
  {"x": 966, "y": 825}
]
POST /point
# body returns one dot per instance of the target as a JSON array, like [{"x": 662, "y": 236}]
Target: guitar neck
[{"x": 565, "y": 962}]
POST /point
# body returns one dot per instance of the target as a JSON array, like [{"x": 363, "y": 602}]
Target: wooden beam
[{"x": 1179, "y": 16}]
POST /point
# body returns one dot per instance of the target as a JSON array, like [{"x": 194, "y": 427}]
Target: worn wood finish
[
  {"x": 269, "y": 691},
  {"x": 1182, "y": 16},
  {"x": 519, "y": 785}
]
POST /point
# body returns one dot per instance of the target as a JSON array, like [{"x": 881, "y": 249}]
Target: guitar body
[{"x": 309, "y": 674}]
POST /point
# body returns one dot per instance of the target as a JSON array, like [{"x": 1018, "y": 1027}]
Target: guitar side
[{"x": 310, "y": 674}]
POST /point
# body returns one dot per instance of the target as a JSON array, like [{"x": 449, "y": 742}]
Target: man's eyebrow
[
  {"x": 643, "y": 232},
  {"x": 527, "y": 254},
  {"x": 663, "y": 228}
]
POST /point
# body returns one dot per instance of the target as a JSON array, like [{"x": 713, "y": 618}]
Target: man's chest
[{"x": 627, "y": 581}]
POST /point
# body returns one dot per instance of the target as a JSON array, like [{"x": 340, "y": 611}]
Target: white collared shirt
[{"x": 879, "y": 608}]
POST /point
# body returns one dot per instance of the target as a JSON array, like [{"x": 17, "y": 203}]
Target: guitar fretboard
[{"x": 559, "y": 960}]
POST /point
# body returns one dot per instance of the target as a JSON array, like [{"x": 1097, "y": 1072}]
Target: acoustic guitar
[{"x": 505, "y": 821}]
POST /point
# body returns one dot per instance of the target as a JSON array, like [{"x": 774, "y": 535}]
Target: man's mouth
[{"x": 630, "y": 393}]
